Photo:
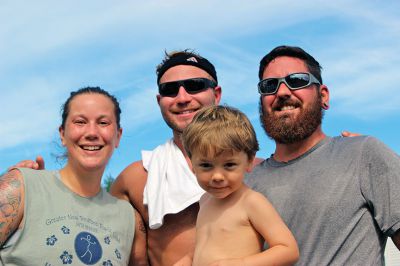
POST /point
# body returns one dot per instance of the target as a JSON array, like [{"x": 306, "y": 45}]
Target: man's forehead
[
  {"x": 181, "y": 72},
  {"x": 284, "y": 65}
]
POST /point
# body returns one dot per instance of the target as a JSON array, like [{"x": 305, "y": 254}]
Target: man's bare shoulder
[
  {"x": 130, "y": 182},
  {"x": 133, "y": 173}
]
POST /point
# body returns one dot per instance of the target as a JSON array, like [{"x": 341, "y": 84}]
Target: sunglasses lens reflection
[
  {"x": 298, "y": 80},
  {"x": 270, "y": 86},
  {"x": 293, "y": 81}
]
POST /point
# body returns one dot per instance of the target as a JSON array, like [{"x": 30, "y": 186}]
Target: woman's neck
[{"x": 83, "y": 183}]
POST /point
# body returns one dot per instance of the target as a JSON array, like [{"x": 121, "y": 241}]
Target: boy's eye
[
  {"x": 230, "y": 165},
  {"x": 205, "y": 165}
]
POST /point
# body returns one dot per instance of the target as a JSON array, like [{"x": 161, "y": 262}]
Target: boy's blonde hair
[{"x": 216, "y": 129}]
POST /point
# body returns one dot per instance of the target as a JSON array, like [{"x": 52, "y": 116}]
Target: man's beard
[{"x": 286, "y": 129}]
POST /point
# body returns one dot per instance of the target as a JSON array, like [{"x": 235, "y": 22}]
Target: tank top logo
[{"x": 88, "y": 248}]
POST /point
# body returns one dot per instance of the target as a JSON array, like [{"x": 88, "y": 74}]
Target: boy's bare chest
[{"x": 222, "y": 219}]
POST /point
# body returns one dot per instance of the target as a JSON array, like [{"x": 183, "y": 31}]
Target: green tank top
[{"x": 61, "y": 227}]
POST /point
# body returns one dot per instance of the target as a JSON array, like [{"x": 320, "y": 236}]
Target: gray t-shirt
[
  {"x": 341, "y": 199},
  {"x": 61, "y": 227}
]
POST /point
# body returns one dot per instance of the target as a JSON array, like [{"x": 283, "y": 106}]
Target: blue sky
[{"x": 49, "y": 48}]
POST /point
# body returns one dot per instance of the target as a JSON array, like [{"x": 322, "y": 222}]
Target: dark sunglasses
[
  {"x": 192, "y": 86},
  {"x": 294, "y": 81}
]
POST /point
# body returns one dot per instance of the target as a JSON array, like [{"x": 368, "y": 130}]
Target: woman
[{"x": 65, "y": 217}]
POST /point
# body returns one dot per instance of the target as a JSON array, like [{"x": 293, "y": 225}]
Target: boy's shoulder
[{"x": 251, "y": 196}]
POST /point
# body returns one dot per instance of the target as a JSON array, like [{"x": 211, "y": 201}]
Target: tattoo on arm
[
  {"x": 10, "y": 204},
  {"x": 139, "y": 248}
]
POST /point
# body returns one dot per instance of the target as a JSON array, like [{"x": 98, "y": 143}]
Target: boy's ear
[{"x": 250, "y": 163}]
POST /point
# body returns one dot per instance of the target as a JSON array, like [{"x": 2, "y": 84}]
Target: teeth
[
  {"x": 91, "y": 148},
  {"x": 285, "y": 108},
  {"x": 186, "y": 112}
]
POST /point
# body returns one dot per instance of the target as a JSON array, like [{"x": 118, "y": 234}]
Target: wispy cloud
[
  {"x": 49, "y": 48},
  {"x": 29, "y": 113},
  {"x": 140, "y": 108}
]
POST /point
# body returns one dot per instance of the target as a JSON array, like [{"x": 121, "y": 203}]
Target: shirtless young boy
[{"x": 233, "y": 221}]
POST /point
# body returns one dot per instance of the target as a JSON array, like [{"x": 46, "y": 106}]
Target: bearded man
[{"x": 339, "y": 196}]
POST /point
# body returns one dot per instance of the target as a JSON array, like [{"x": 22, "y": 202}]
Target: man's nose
[
  {"x": 183, "y": 95},
  {"x": 283, "y": 90}
]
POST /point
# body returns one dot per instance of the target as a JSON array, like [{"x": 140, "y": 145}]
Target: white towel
[{"x": 171, "y": 186}]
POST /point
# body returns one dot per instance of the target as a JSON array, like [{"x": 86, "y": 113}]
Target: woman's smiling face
[{"x": 91, "y": 132}]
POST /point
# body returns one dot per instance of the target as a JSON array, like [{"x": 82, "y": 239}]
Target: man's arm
[
  {"x": 11, "y": 204},
  {"x": 129, "y": 186},
  {"x": 396, "y": 239},
  {"x": 139, "y": 252}
]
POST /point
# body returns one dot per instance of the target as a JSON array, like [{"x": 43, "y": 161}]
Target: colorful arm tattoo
[{"x": 10, "y": 204}]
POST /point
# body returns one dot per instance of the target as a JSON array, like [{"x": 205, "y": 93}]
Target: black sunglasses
[
  {"x": 192, "y": 86},
  {"x": 294, "y": 81}
]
